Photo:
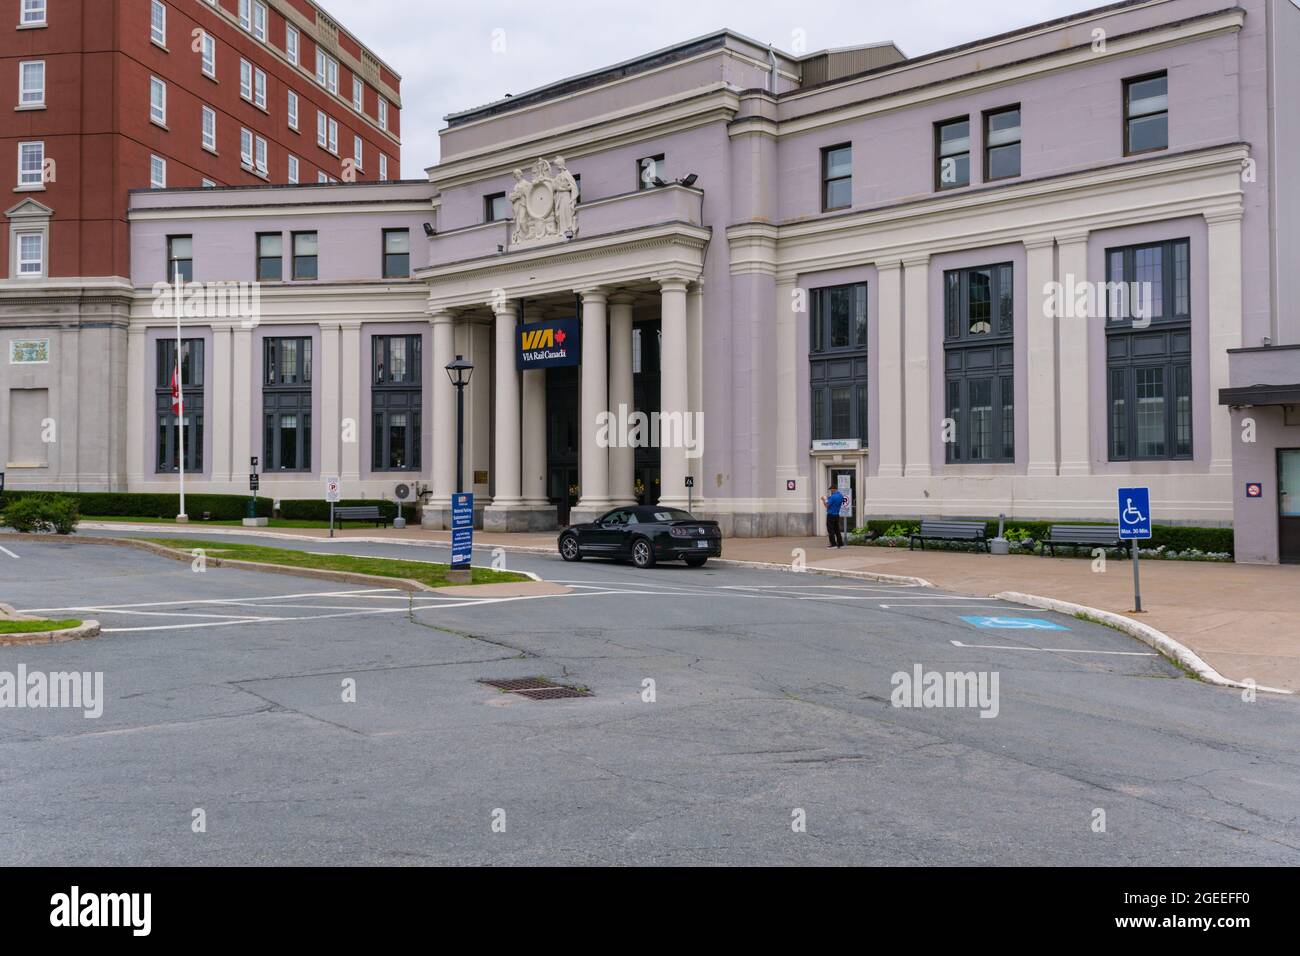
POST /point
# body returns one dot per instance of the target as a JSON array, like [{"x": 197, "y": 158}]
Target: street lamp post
[
  {"x": 462, "y": 505},
  {"x": 459, "y": 372}
]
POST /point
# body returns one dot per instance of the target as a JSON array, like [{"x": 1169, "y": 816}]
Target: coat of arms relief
[{"x": 546, "y": 208}]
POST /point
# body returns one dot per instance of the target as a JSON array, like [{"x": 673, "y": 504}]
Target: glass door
[
  {"x": 1288, "y": 505},
  {"x": 846, "y": 480}
]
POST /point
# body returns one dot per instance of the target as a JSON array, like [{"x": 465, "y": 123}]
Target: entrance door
[
  {"x": 1288, "y": 505},
  {"x": 846, "y": 480}
]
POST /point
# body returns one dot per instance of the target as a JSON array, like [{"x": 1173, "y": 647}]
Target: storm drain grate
[
  {"x": 536, "y": 688},
  {"x": 520, "y": 683},
  {"x": 553, "y": 693}
]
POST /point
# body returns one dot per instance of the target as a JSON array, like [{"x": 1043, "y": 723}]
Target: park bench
[
  {"x": 360, "y": 513},
  {"x": 950, "y": 531},
  {"x": 1081, "y": 536}
]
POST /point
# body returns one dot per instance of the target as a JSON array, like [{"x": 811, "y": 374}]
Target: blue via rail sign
[
  {"x": 1134, "y": 513},
  {"x": 548, "y": 344},
  {"x": 462, "y": 530},
  {"x": 1013, "y": 623}
]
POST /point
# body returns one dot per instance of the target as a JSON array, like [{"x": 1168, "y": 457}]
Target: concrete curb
[
  {"x": 344, "y": 577},
  {"x": 88, "y": 629},
  {"x": 829, "y": 572},
  {"x": 1162, "y": 642}
]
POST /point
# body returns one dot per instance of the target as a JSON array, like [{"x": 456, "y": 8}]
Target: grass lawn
[
  {"x": 26, "y": 627},
  {"x": 434, "y": 575},
  {"x": 235, "y": 523}
]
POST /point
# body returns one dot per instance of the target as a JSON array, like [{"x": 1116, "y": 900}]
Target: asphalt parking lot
[{"x": 772, "y": 699}]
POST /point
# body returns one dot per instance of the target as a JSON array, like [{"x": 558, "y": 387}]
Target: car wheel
[
  {"x": 569, "y": 549},
  {"x": 643, "y": 555},
  {"x": 696, "y": 561}
]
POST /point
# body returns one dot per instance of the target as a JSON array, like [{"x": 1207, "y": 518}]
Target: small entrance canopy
[{"x": 1260, "y": 395}]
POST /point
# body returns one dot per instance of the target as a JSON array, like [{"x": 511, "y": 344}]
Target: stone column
[
  {"x": 594, "y": 461},
  {"x": 1040, "y": 345},
  {"x": 674, "y": 393},
  {"x": 350, "y": 402},
  {"x": 438, "y": 508},
  {"x": 140, "y": 436},
  {"x": 886, "y": 446},
  {"x": 1073, "y": 383},
  {"x": 533, "y": 478},
  {"x": 506, "y": 494},
  {"x": 331, "y": 372},
  {"x": 222, "y": 400},
  {"x": 695, "y": 385},
  {"x": 916, "y": 366},
  {"x": 1223, "y": 252},
  {"x": 241, "y": 400},
  {"x": 622, "y": 456}
]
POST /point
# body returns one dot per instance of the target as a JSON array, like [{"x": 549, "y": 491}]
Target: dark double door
[{"x": 1288, "y": 505}]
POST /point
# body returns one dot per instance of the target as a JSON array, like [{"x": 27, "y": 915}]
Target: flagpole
[{"x": 180, "y": 390}]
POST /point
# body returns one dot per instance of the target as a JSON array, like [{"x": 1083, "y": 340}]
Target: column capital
[
  {"x": 673, "y": 283},
  {"x": 595, "y": 294},
  {"x": 1038, "y": 242},
  {"x": 921, "y": 259},
  {"x": 888, "y": 265},
  {"x": 501, "y": 306},
  {"x": 1072, "y": 238},
  {"x": 439, "y": 316},
  {"x": 353, "y": 325},
  {"x": 621, "y": 298},
  {"x": 1217, "y": 216}
]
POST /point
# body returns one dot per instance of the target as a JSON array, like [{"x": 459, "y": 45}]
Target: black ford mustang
[{"x": 644, "y": 534}]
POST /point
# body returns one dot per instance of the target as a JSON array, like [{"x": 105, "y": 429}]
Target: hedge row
[
  {"x": 313, "y": 509},
  {"x": 1174, "y": 538},
  {"x": 112, "y": 504}
]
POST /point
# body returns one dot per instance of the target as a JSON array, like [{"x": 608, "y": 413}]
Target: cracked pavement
[{"x": 224, "y": 691}]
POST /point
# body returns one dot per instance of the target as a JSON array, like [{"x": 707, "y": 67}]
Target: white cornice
[{"x": 418, "y": 208}]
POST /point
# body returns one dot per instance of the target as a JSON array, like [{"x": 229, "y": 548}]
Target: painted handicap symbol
[
  {"x": 1130, "y": 514},
  {"x": 1013, "y": 623}
]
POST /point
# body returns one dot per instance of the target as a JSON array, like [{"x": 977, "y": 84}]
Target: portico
[{"x": 630, "y": 260}]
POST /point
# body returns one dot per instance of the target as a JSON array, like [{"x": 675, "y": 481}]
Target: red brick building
[{"x": 104, "y": 96}]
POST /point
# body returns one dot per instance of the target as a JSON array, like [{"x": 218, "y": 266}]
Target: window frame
[
  {"x": 291, "y": 108},
  {"x": 156, "y": 8},
  {"x": 26, "y": 14},
  {"x": 296, "y": 256},
  {"x": 660, "y": 162},
  {"x": 187, "y": 271},
  {"x": 999, "y": 373},
  {"x": 208, "y": 55},
  {"x": 19, "y": 260},
  {"x": 25, "y": 183},
  {"x": 1127, "y": 119},
  {"x": 209, "y": 142},
  {"x": 292, "y": 169},
  {"x": 157, "y": 163},
  {"x": 292, "y": 50},
  {"x": 389, "y": 398},
  {"x": 158, "y": 85},
  {"x": 488, "y": 200},
  {"x": 385, "y": 255},
  {"x": 989, "y": 146},
  {"x": 827, "y": 180},
  {"x": 824, "y": 359},
  {"x": 24, "y": 90},
  {"x": 280, "y": 398},
  {"x": 939, "y": 157},
  {"x": 192, "y": 391}
]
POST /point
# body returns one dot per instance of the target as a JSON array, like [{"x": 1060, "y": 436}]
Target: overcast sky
[{"x": 456, "y": 55}]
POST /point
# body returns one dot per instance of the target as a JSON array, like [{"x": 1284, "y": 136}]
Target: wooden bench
[
  {"x": 950, "y": 531},
  {"x": 360, "y": 513},
  {"x": 1081, "y": 536}
]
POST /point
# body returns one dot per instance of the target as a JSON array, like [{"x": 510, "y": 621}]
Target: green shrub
[
  {"x": 114, "y": 504},
  {"x": 1173, "y": 538},
  {"x": 315, "y": 509},
  {"x": 39, "y": 513}
]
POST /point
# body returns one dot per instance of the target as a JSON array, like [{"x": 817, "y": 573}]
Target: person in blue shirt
[{"x": 834, "y": 500}]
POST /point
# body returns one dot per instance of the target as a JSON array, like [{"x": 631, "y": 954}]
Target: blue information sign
[
  {"x": 1134, "y": 513},
  {"x": 462, "y": 530}
]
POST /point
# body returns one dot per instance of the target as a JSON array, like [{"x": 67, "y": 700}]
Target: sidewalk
[{"x": 1244, "y": 620}]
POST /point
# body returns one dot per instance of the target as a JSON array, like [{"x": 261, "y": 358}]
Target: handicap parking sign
[
  {"x": 1134, "y": 513},
  {"x": 1013, "y": 623}
]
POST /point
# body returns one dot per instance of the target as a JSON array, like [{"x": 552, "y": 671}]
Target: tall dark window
[
  {"x": 1146, "y": 113},
  {"x": 397, "y": 253},
  {"x": 648, "y": 169},
  {"x": 180, "y": 252},
  {"x": 1149, "y": 351},
  {"x": 1002, "y": 144},
  {"x": 837, "y": 177},
  {"x": 168, "y": 432},
  {"x": 304, "y": 255},
  {"x": 286, "y": 404},
  {"x": 979, "y": 370},
  {"x": 495, "y": 207},
  {"x": 838, "y": 358},
  {"x": 270, "y": 257},
  {"x": 395, "y": 401},
  {"x": 952, "y": 154}
]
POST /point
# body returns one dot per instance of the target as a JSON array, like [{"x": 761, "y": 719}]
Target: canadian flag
[{"x": 176, "y": 394}]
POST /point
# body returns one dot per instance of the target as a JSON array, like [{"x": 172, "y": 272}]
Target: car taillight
[{"x": 681, "y": 532}]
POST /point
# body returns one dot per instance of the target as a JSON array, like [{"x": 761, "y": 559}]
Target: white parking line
[{"x": 1052, "y": 650}]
